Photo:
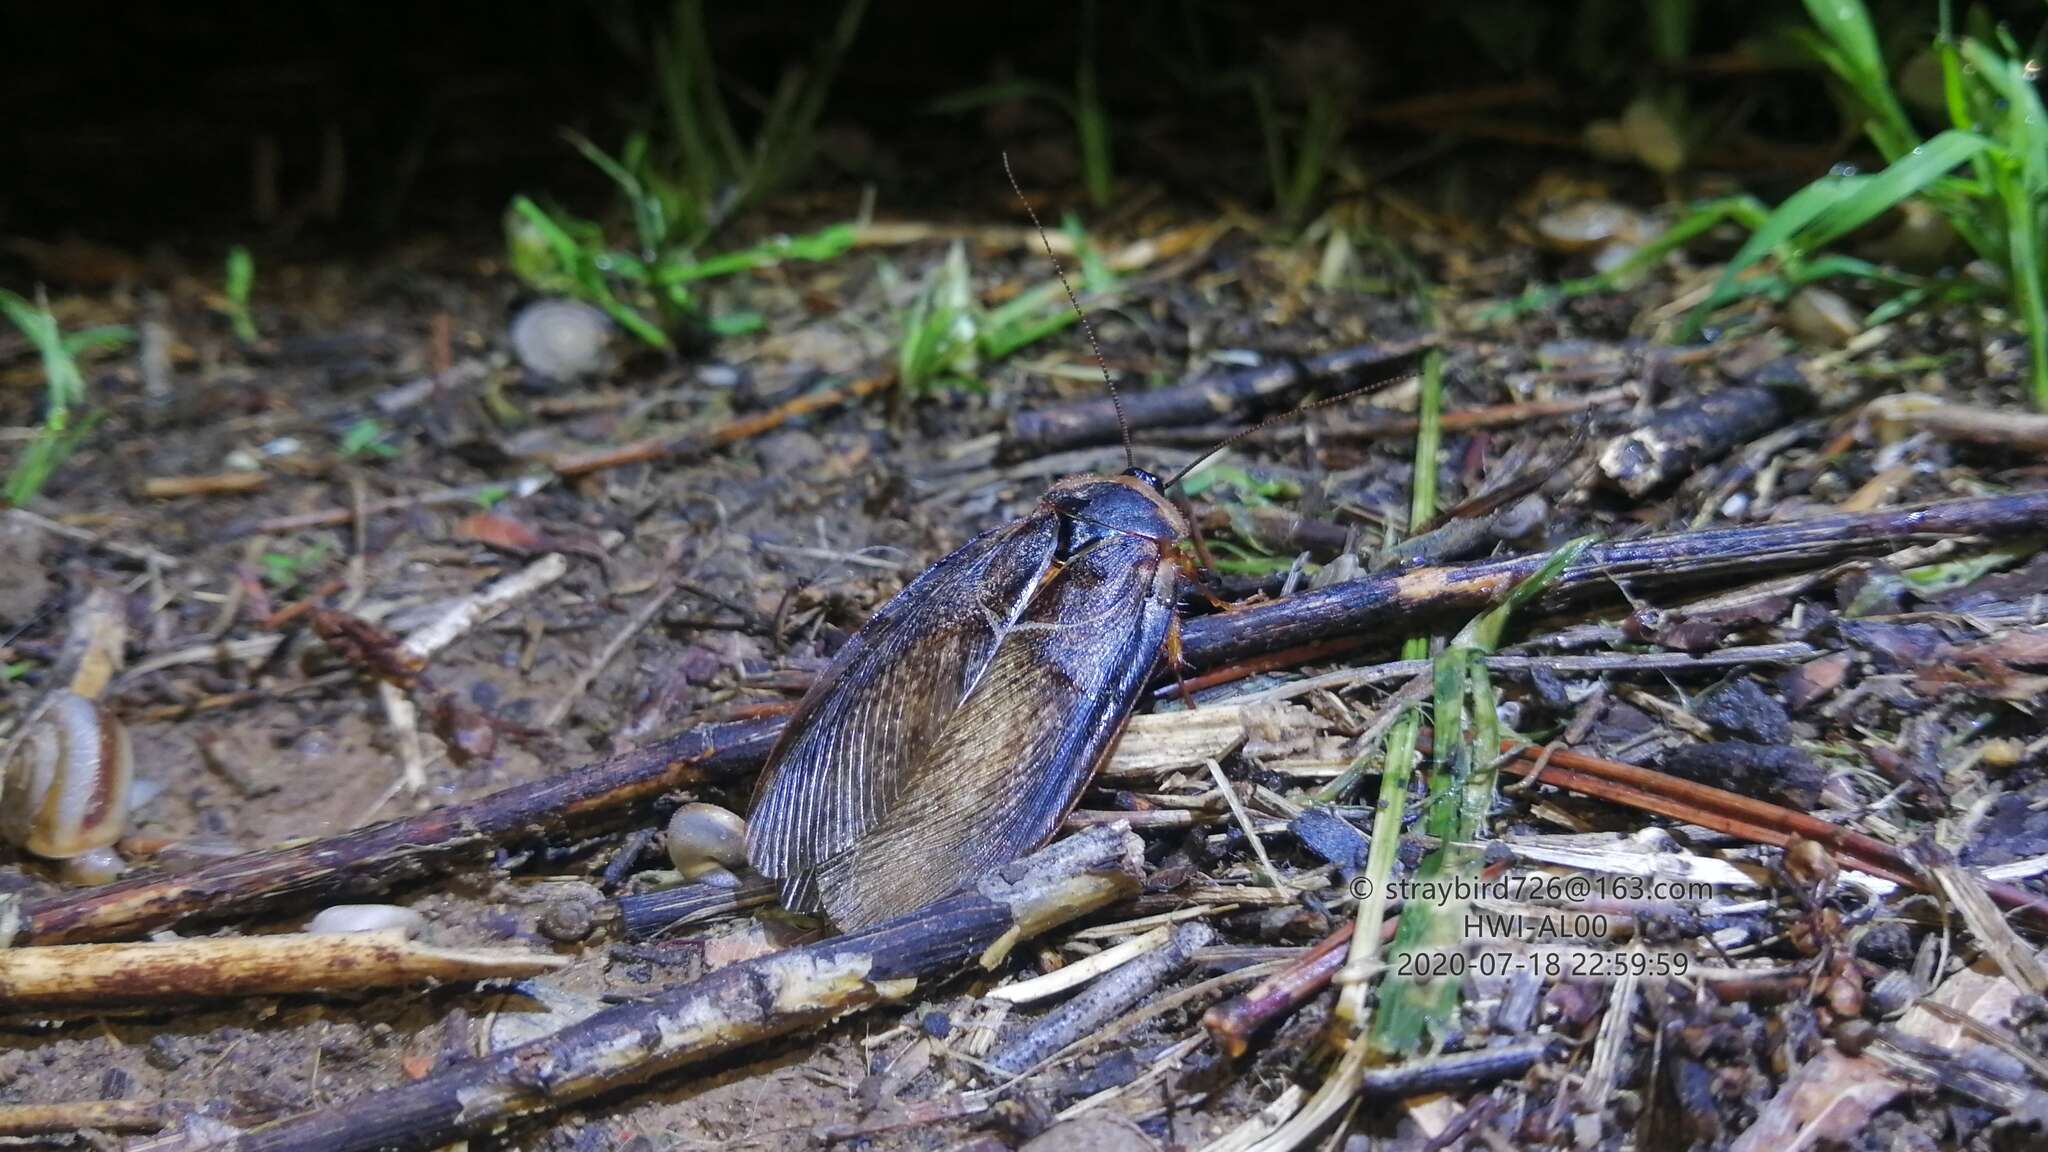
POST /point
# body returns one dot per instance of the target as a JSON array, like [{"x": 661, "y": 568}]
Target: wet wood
[
  {"x": 1406, "y": 599},
  {"x": 725, "y": 1011},
  {"x": 1252, "y": 391},
  {"x": 1678, "y": 438},
  {"x": 96, "y": 976}
]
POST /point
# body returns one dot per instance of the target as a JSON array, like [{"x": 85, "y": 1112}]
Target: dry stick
[
  {"x": 1371, "y": 423},
  {"x": 75, "y": 1116},
  {"x": 1382, "y": 600},
  {"x": 1764, "y": 823},
  {"x": 92, "y": 976},
  {"x": 1102, "y": 1001},
  {"x": 695, "y": 443},
  {"x": 372, "y": 858},
  {"x": 1039, "y": 431},
  {"x": 731, "y": 1008},
  {"x": 1235, "y": 1021},
  {"x": 329, "y": 517},
  {"x": 2022, "y": 430}
]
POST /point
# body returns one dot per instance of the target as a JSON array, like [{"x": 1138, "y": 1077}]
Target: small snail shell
[
  {"x": 67, "y": 789},
  {"x": 706, "y": 842},
  {"x": 344, "y": 918}
]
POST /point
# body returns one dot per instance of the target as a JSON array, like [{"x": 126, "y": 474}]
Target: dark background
[{"x": 136, "y": 123}]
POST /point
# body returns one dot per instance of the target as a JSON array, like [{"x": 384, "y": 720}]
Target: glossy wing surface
[
  {"x": 844, "y": 759},
  {"x": 1011, "y": 762}
]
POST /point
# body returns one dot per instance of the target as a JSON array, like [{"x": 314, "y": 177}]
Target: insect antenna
[
  {"x": 1123, "y": 426},
  {"x": 1282, "y": 418}
]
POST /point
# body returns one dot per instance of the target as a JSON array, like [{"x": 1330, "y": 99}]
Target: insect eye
[{"x": 1141, "y": 474}]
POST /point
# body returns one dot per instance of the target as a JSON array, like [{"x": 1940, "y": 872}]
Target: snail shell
[
  {"x": 66, "y": 791},
  {"x": 706, "y": 842}
]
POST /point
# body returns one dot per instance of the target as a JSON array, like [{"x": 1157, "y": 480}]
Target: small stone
[
  {"x": 936, "y": 1025},
  {"x": 166, "y": 1052},
  {"x": 1821, "y": 318},
  {"x": 561, "y": 339},
  {"x": 1741, "y": 708},
  {"x": 1589, "y": 225},
  {"x": 344, "y": 918},
  {"x": 568, "y": 921}
]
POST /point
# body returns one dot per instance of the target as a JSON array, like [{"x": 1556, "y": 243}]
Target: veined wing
[
  {"x": 1011, "y": 762},
  {"x": 843, "y": 760}
]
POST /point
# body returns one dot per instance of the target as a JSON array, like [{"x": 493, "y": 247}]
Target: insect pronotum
[{"x": 957, "y": 728}]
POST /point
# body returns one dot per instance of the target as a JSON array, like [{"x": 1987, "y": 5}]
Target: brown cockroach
[{"x": 957, "y": 728}]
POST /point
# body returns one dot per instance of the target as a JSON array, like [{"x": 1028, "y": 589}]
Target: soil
[{"x": 762, "y": 556}]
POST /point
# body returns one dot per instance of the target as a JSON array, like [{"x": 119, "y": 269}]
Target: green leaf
[{"x": 1875, "y": 195}]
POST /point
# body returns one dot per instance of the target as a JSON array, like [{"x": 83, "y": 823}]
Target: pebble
[
  {"x": 365, "y": 918},
  {"x": 1819, "y": 317},
  {"x": 1589, "y": 224},
  {"x": 561, "y": 339}
]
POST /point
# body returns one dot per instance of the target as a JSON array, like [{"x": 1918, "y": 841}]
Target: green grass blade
[
  {"x": 1799, "y": 210},
  {"x": 1888, "y": 189},
  {"x": 1465, "y": 752},
  {"x": 1858, "y": 62}
]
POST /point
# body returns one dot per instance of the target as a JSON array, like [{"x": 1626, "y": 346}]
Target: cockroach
[{"x": 957, "y": 728}]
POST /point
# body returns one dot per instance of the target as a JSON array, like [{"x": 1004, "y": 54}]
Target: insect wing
[
  {"x": 1011, "y": 762},
  {"x": 845, "y": 755}
]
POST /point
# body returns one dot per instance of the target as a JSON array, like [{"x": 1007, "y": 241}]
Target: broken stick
[
  {"x": 729, "y": 1009},
  {"x": 94, "y": 976},
  {"x": 1400, "y": 598},
  {"x": 1247, "y": 392}
]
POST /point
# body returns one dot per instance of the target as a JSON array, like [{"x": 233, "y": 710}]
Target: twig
[
  {"x": 648, "y": 609},
  {"x": 216, "y": 484},
  {"x": 1378, "y": 601},
  {"x": 1755, "y": 820},
  {"x": 482, "y": 606},
  {"x": 1080, "y": 971},
  {"x": 731, "y": 1008},
  {"x": 1035, "y": 432},
  {"x": 1235, "y": 1021},
  {"x": 328, "y": 517},
  {"x": 369, "y": 859},
  {"x": 1374, "y": 424},
  {"x": 696, "y": 443},
  {"x": 93, "y": 976},
  {"x": 380, "y": 855},
  {"x": 1102, "y": 1001},
  {"x": 2027, "y": 431},
  {"x": 75, "y": 1116},
  {"x": 138, "y": 553}
]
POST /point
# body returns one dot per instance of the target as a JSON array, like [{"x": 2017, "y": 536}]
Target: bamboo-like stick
[
  {"x": 1377, "y": 601},
  {"x": 75, "y": 1116},
  {"x": 95, "y": 976},
  {"x": 729, "y": 1009},
  {"x": 1039, "y": 431}
]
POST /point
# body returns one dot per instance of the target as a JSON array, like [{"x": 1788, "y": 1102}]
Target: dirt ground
[{"x": 712, "y": 584}]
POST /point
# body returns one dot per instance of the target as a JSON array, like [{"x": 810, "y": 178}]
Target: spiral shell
[{"x": 66, "y": 790}]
